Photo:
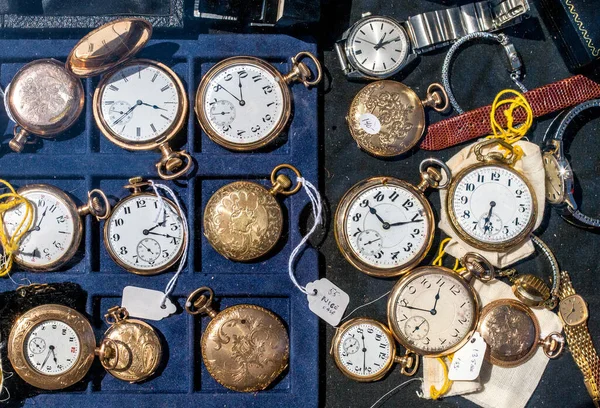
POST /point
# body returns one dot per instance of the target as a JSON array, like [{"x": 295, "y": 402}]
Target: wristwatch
[
  {"x": 573, "y": 312},
  {"x": 560, "y": 181},
  {"x": 377, "y": 47}
]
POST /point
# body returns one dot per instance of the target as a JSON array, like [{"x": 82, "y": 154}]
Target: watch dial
[
  {"x": 52, "y": 233},
  {"x": 379, "y": 45},
  {"x": 493, "y": 205},
  {"x": 52, "y": 347},
  {"x": 433, "y": 311},
  {"x": 364, "y": 350},
  {"x": 137, "y": 240},
  {"x": 573, "y": 310},
  {"x": 140, "y": 103},
  {"x": 387, "y": 226},
  {"x": 243, "y": 103},
  {"x": 555, "y": 184}
]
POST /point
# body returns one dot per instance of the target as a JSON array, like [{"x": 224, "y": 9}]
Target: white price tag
[
  {"x": 146, "y": 303},
  {"x": 370, "y": 123},
  {"x": 467, "y": 361},
  {"x": 328, "y": 302}
]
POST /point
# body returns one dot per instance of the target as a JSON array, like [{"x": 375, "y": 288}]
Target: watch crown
[
  {"x": 135, "y": 180},
  {"x": 366, "y": 14}
]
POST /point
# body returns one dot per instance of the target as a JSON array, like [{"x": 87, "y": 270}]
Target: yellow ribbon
[
  {"x": 511, "y": 134},
  {"x": 434, "y": 392},
  {"x": 10, "y": 201}
]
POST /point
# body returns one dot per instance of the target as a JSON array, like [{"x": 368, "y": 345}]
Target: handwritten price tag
[
  {"x": 327, "y": 301},
  {"x": 370, "y": 123},
  {"x": 468, "y": 360}
]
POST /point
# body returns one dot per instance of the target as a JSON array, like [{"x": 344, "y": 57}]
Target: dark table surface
[{"x": 478, "y": 73}]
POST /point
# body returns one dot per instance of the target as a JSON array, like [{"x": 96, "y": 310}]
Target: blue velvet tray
[{"x": 82, "y": 159}]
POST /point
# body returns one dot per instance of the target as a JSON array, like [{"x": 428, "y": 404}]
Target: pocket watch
[
  {"x": 512, "y": 333},
  {"x": 243, "y": 103},
  {"x": 364, "y": 350},
  {"x": 491, "y": 205},
  {"x": 140, "y": 239},
  {"x": 433, "y": 310},
  {"x": 57, "y": 225},
  {"x": 244, "y": 347},
  {"x": 385, "y": 226},
  {"x": 243, "y": 221},
  {"x": 139, "y": 104},
  {"x": 387, "y": 118}
]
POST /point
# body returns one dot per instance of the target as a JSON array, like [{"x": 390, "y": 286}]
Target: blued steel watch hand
[
  {"x": 153, "y": 106},
  {"x": 241, "y": 95},
  {"x": 160, "y": 224},
  {"x": 240, "y": 101},
  {"x": 37, "y": 228},
  {"x": 437, "y": 297},
  {"x": 405, "y": 222},
  {"x": 162, "y": 235},
  {"x": 486, "y": 226},
  {"x": 374, "y": 212}
]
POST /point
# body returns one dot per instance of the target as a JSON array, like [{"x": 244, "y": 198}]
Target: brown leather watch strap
[{"x": 476, "y": 123}]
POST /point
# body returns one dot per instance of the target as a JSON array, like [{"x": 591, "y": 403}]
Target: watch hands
[
  {"x": 47, "y": 356},
  {"x": 374, "y": 212},
  {"x": 242, "y": 102},
  {"x": 419, "y": 326},
  {"x": 160, "y": 224},
  {"x": 388, "y": 42},
  {"x": 138, "y": 103},
  {"x": 370, "y": 242},
  {"x": 405, "y": 222},
  {"x": 487, "y": 226},
  {"x": 437, "y": 297},
  {"x": 152, "y": 106},
  {"x": 162, "y": 235},
  {"x": 364, "y": 350},
  {"x": 147, "y": 249},
  {"x": 53, "y": 355},
  {"x": 380, "y": 42},
  {"x": 372, "y": 43},
  {"x": 37, "y": 227},
  {"x": 416, "y": 308}
]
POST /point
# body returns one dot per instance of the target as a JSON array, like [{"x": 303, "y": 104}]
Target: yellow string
[
  {"x": 434, "y": 392},
  {"x": 10, "y": 245},
  {"x": 438, "y": 261},
  {"x": 511, "y": 134}
]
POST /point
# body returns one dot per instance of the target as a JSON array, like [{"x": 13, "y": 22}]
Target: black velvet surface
[{"x": 478, "y": 73}]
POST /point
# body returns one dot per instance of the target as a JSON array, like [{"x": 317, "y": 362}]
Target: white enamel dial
[
  {"x": 492, "y": 204},
  {"x": 140, "y": 102},
  {"x": 243, "y": 103},
  {"x": 52, "y": 347},
  {"x": 378, "y": 45},
  {"x": 139, "y": 242},
  {"x": 387, "y": 226},
  {"x": 364, "y": 350},
  {"x": 52, "y": 233},
  {"x": 433, "y": 312}
]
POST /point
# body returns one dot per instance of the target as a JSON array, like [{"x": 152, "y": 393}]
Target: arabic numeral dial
[
  {"x": 143, "y": 235},
  {"x": 364, "y": 350},
  {"x": 52, "y": 347}
]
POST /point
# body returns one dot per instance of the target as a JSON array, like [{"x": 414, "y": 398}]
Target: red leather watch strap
[{"x": 476, "y": 123}]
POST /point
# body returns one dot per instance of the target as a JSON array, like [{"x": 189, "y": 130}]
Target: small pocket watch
[
  {"x": 57, "y": 227},
  {"x": 491, "y": 205},
  {"x": 364, "y": 350},
  {"x": 243, "y": 103},
  {"x": 512, "y": 333},
  {"x": 385, "y": 226},
  {"x": 140, "y": 239},
  {"x": 243, "y": 221},
  {"x": 52, "y": 347},
  {"x": 244, "y": 347},
  {"x": 387, "y": 118},
  {"x": 433, "y": 310}
]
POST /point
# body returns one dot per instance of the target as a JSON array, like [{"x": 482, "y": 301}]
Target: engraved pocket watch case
[
  {"x": 387, "y": 118},
  {"x": 138, "y": 237},
  {"x": 244, "y": 347},
  {"x": 57, "y": 228},
  {"x": 512, "y": 333},
  {"x": 385, "y": 226},
  {"x": 364, "y": 350},
  {"x": 243, "y": 221},
  {"x": 244, "y": 103}
]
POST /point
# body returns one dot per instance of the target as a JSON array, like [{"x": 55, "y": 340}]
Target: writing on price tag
[
  {"x": 467, "y": 361},
  {"x": 369, "y": 123},
  {"x": 327, "y": 301}
]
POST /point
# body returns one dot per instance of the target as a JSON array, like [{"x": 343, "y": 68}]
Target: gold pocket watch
[
  {"x": 433, "y": 310},
  {"x": 243, "y": 103},
  {"x": 57, "y": 228},
  {"x": 387, "y": 118},
  {"x": 138, "y": 238},
  {"x": 512, "y": 333},
  {"x": 52, "y": 347},
  {"x": 491, "y": 205},
  {"x": 385, "y": 226},
  {"x": 364, "y": 350},
  {"x": 244, "y": 347},
  {"x": 243, "y": 221}
]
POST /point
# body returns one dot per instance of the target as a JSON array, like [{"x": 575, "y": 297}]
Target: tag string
[
  {"x": 394, "y": 390},
  {"x": 161, "y": 212},
  {"x": 317, "y": 211},
  {"x": 439, "y": 259},
  {"x": 10, "y": 245},
  {"x": 434, "y": 392},
  {"x": 2, "y": 378},
  {"x": 365, "y": 305}
]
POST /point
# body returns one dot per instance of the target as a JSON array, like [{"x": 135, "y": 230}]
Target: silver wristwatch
[
  {"x": 377, "y": 47},
  {"x": 560, "y": 181}
]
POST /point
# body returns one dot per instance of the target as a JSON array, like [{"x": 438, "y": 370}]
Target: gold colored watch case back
[
  {"x": 343, "y": 240},
  {"x": 555, "y": 189},
  {"x": 244, "y": 347},
  {"x": 413, "y": 275},
  {"x": 512, "y": 333},
  {"x": 139, "y": 350},
  {"x": 399, "y": 112},
  {"x": 575, "y": 302},
  {"x": 32, "y": 318}
]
